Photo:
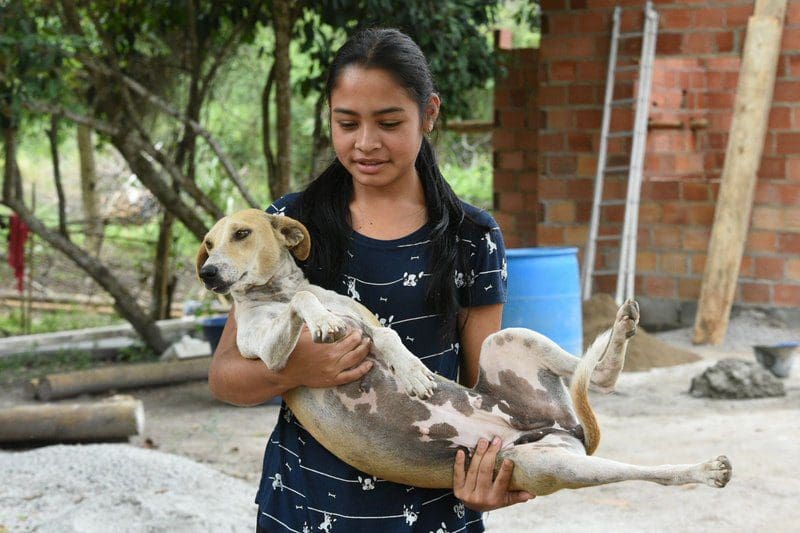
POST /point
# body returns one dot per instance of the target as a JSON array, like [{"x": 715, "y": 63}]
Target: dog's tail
[{"x": 579, "y": 390}]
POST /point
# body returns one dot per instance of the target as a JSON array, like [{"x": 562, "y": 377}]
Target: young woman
[{"x": 387, "y": 230}]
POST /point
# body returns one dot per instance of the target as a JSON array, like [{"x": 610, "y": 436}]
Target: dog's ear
[
  {"x": 293, "y": 234},
  {"x": 202, "y": 257}
]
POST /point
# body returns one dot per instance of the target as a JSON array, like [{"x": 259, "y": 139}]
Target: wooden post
[
  {"x": 117, "y": 418},
  {"x": 742, "y": 159}
]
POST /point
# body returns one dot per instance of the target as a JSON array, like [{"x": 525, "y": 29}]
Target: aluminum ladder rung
[
  {"x": 616, "y": 237},
  {"x": 605, "y": 272},
  {"x": 623, "y": 101},
  {"x": 629, "y": 34},
  {"x": 627, "y": 68},
  {"x": 615, "y": 134},
  {"x": 606, "y": 203},
  {"x": 617, "y": 169}
]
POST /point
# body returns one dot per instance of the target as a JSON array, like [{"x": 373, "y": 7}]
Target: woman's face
[{"x": 376, "y": 127}]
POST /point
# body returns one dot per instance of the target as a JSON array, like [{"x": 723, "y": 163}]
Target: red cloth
[{"x": 16, "y": 248}]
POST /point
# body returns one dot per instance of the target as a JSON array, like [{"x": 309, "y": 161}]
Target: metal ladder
[{"x": 626, "y": 268}]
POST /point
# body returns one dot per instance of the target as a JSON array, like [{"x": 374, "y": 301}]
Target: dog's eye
[
  {"x": 209, "y": 245},
  {"x": 241, "y": 234}
]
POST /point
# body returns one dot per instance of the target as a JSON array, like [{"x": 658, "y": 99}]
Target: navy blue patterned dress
[{"x": 306, "y": 488}]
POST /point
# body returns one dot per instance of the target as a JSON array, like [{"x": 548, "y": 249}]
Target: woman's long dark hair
[{"x": 324, "y": 208}]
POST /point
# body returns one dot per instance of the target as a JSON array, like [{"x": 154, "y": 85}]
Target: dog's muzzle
[{"x": 210, "y": 275}]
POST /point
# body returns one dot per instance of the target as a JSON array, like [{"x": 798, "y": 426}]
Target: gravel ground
[{"x": 204, "y": 472}]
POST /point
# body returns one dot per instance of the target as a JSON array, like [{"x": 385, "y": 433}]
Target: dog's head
[{"x": 245, "y": 249}]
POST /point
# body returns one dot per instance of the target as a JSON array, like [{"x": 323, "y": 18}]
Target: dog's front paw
[
  {"x": 628, "y": 317},
  {"x": 327, "y": 329},
  {"x": 414, "y": 378},
  {"x": 719, "y": 471}
]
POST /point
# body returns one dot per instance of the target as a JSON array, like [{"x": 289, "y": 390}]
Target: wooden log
[
  {"x": 113, "y": 419},
  {"x": 742, "y": 159},
  {"x": 119, "y": 377},
  {"x": 173, "y": 328}
]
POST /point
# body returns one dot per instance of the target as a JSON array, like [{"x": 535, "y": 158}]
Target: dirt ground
[{"x": 651, "y": 419}]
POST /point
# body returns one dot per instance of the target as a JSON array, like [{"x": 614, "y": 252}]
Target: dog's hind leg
[
  {"x": 527, "y": 352},
  {"x": 544, "y": 471}
]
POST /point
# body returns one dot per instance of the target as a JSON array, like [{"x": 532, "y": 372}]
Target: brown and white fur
[{"x": 402, "y": 423}]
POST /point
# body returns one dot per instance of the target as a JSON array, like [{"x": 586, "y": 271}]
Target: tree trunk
[
  {"x": 320, "y": 141},
  {"x": 91, "y": 211},
  {"x": 283, "y": 95},
  {"x": 52, "y": 135},
  {"x": 160, "y": 301}
]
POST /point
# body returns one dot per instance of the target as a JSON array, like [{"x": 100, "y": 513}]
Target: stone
[{"x": 734, "y": 379}]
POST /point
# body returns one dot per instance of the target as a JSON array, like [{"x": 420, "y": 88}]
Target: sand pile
[
  {"x": 118, "y": 488},
  {"x": 644, "y": 351}
]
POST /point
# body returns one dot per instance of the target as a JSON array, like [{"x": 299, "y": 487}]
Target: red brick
[
  {"x": 563, "y": 71},
  {"x": 689, "y": 289},
  {"x": 793, "y": 13},
  {"x": 725, "y": 41},
  {"x": 559, "y": 119},
  {"x": 786, "y": 91},
  {"x": 512, "y": 202},
  {"x": 669, "y": 44},
  {"x": 794, "y": 66},
  {"x": 780, "y": 118},
  {"x": 793, "y": 269},
  {"x": 698, "y": 263},
  {"x": 788, "y": 194},
  {"x": 676, "y": 19},
  {"x": 769, "y": 267},
  {"x": 661, "y": 190},
  {"x": 793, "y": 169},
  {"x": 788, "y": 143},
  {"x": 549, "y": 235},
  {"x": 580, "y": 142},
  {"x": 659, "y": 286},
  {"x": 561, "y": 165},
  {"x": 552, "y": 188},
  {"x": 582, "y": 94},
  {"x": 696, "y": 239},
  {"x": 591, "y": 71},
  {"x": 552, "y": 96},
  {"x": 505, "y": 180},
  {"x": 700, "y": 214},
  {"x": 754, "y": 293},
  {"x": 772, "y": 167},
  {"x": 649, "y": 213},
  {"x": 552, "y": 142},
  {"x": 560, "y": 46},
  {"x": 694, "y": 191},
  {"x": 738, "y": 15},
  {"x": 789, "y": 243},
  {"x": 698, "y": 43},
  {"x": 588, "y": 118},
  {"x": 791, "y": 39},
  {"x": 788, "y": 295},
  {"x": 511, "y": 160},
  {"x": 769, "y": 218}
]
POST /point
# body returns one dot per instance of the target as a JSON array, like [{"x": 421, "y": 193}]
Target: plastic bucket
[
  {"x": 544, "y": 294},
  {"x": 212, "y": 329}
]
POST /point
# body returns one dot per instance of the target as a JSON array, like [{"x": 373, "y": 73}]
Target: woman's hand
[
  {"x": 319, "y": 365},
  {"x": 477, "y": 487}
]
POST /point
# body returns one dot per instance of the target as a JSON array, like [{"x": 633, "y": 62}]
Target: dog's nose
[{"x": 208, "y": 272}]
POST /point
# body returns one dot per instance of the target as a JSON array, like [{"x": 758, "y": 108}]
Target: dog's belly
[{"x": 377, "y": 428}]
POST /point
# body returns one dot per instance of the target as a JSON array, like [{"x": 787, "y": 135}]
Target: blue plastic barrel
[
  {"x": 212, "y": 329},
  {"x": 544, "y": 294}
]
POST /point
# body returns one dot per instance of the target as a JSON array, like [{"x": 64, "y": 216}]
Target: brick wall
[
  {"x": 695, "y": 78},
  {"x": 515, "y": 144}
]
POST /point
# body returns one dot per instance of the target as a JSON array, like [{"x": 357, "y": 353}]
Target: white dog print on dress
[
  {"x": 367, "y": 483},
  {"x": 352, "y": 292},
  {"x": 327, "y": 523},
  {"x": 277, "y": 482},
  {"x": 490, "y": 243},
  {"x": 410, "y": 515},
  {"x": 411, "y": 280},
  {"x": 459, "y": 509}
]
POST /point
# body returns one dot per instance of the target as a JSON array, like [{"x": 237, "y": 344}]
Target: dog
[{"x": 402, "y": 423}]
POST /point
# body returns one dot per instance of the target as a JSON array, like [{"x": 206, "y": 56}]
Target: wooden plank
[{"x": 742, "y": 159}]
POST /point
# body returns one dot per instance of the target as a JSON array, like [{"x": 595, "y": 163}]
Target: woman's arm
[
  {"x": 477, "y": 486},
  {"x": 240, "y": 381},
  {"x": 476, "y": 324}
]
